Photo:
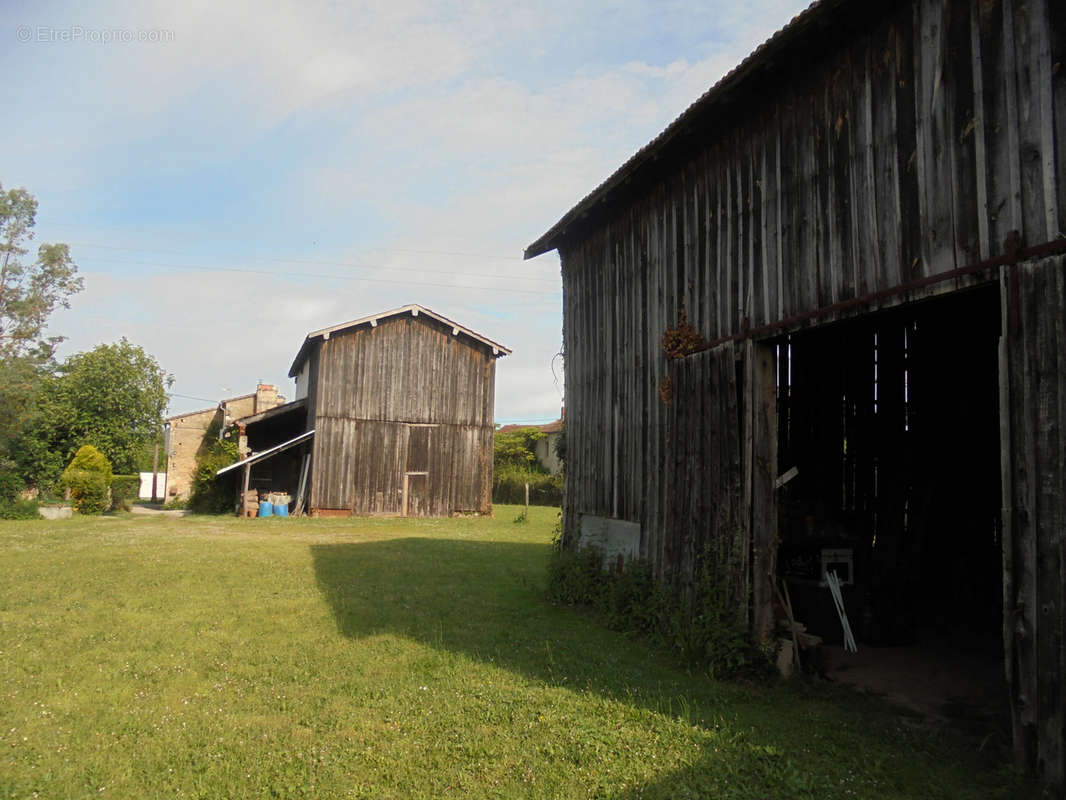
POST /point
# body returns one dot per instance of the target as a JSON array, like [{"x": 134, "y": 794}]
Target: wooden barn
[
  {"x": 396, "y": 415},
  {"x": 819, "y": 322}
]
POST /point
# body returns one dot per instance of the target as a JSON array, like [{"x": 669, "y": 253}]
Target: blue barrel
[
  {"x": 281, "y": 509},
  {"x": 266, "y": 509}
]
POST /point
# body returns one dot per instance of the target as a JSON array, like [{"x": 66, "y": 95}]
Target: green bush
[
  {"x": 699, "y": 633},
  {"x": 18, "y": 509},
  {"x": 509, "y": 487},
  {"x": 124, "y": 491},
  {"x": 211, "y": 496},
  {"x": 88, "y": 476}
]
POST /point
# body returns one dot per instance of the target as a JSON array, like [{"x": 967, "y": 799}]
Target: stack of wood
[
  {"x": 250, "y": 503},
  {"x": 278, "y": 498}
]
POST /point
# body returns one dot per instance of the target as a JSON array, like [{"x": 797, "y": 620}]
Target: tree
[
  {"x": 111, "y": 397},
  {"x": 29, "y": 293},
  {"x": 517, "y": 448},
  {"x": 20, "y": 381}
]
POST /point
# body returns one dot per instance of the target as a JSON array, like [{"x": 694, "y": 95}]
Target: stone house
[{"x": 186, "y": 431}]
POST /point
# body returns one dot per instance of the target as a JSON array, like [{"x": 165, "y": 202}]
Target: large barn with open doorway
[{"x": 820, "y": 320}]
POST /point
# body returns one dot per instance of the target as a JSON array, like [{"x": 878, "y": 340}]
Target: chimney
[{"x": 266, "y": 396}]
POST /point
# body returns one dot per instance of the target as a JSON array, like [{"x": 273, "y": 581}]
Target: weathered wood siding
[
  {"x": 376, "y": 386},
  {"x": 1033, "y": 447},
  {"x": 707, "y": 529},
  {"x": 904, "y": 150},
  {"x": 911, "y": 150}
]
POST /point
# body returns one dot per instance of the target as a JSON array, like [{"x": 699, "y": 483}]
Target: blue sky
[{"x": 231, "y": 176}]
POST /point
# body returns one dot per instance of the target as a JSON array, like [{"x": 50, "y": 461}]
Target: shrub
[
  {"x": 18, "y": 509},
  {"x": 124, "y": 490},
  {"x": 700, "y": 633},
  {"x": 210, "y": 496},
  {"x": 88, "y": 476}
]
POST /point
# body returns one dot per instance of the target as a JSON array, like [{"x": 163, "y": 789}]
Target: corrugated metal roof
[
  {"x": 732, "y": 81},
  {"x": 414, "y": 310}
]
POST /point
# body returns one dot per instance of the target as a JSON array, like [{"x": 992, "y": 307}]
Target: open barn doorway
[{"x": 892, "y": 423}]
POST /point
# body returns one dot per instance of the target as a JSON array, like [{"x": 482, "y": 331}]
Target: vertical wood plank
[{"x": 764, "y": 496}]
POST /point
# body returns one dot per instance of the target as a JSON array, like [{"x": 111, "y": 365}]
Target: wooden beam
[
  {"x": 244, "y": 487},
  {"x": 764, "y": 522}
]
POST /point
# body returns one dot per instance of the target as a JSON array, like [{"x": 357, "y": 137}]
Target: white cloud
[{"x": 397, "y": 135}]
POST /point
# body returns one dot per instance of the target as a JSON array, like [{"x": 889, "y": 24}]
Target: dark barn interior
[
  {"x": 280, "y": 472},
  {"x": 892, "y": 422}
]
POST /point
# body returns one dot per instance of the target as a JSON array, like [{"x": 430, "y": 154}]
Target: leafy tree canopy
[
  {"x": 111, "y": 397},
  {"x": 30, "y": 290},
  {"x": 517, "y": 448}
]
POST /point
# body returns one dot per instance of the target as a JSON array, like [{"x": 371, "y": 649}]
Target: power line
[
  {"x": 190, "y": 397},
  {"x": 279, "y": 274},
  {"x": 447, "y": 253},
  {"x": 489, "y": 256},
  {"x": 324, "y": 262}
]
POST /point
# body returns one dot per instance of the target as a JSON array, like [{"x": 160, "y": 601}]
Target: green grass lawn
[{"x": 208, "y": 657}]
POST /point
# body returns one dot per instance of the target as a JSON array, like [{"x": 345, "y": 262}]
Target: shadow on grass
[
  {"x": 482, "y": 599},
  {"x": 485, "y": 600}
]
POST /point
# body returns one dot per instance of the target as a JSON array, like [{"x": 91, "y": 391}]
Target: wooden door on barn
[
  {"x": 707, "y": 542},
  {"x": 421, "y": 440}
]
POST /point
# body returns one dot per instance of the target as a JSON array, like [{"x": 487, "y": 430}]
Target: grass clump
[{"x": 630, "y": 599}]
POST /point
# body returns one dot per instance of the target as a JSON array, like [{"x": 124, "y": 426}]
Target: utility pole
[{"x": 155, "y": 469}]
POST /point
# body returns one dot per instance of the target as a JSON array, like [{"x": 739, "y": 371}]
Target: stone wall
[{"x": 187, "y": 432}]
